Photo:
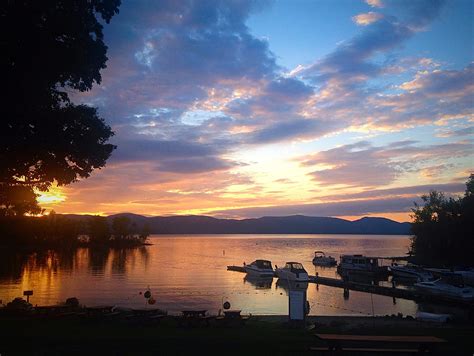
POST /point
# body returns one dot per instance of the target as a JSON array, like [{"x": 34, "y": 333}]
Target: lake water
[{"x": 189, "y": 272}]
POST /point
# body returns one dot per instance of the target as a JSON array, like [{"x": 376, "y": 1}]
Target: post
[{"x": 27, "y": 293}]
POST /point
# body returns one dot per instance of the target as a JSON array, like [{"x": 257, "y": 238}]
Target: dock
[
  {"x": 236, "y": 268},
  {"x": 380, "y": 290}
]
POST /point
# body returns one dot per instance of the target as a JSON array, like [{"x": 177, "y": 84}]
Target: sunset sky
[{"x": 251, "y": 108}]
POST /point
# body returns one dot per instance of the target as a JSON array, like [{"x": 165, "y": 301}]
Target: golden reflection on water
[{"x": 190, "y": 272}]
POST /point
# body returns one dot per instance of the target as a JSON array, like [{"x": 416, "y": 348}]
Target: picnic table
[
  {"x": 194, "y": 318},
  {"x": 232, "y": 318},
  {"x": 232, "y": 314},
  {"x": 193, "y": 313},
  {"x": 341, "y": 342}
]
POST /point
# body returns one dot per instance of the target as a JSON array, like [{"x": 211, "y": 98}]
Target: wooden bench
[{"x": 341, "y": 342}]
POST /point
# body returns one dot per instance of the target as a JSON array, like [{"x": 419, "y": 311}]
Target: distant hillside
[{"x": 296, "y": 224}]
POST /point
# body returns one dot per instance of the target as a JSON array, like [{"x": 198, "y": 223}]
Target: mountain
[{"x": 295, "y": 224}]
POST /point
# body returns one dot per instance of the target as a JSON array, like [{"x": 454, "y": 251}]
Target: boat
[
  {"x": 410, "y": 271},
  {"x": 293, "y": 271},
  {"x": 320, "y": 259},
  {"x": 260, "y": 268},
  {"x": 360, "y": 264},
  {"x": 450, "y": 285},
  {"x": 467, "y": 273},
  {"x": 432, "y": 317}
]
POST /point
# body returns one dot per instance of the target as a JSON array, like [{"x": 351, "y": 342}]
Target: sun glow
[{"x": 54, "y": 195}]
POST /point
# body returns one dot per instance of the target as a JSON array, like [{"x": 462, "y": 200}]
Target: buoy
[
  {"x": 151, "y": 301},
  {"x": 147, "y": 294},
  {"x": 226, "y": 305}
]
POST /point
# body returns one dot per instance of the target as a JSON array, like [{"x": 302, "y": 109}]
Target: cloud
[
  {"x": 354, "y": 208},
  {"x": 354, "y": 165},
  {"x": 466, "y": 131},
  {"x": 445, "y": 83},
  {"x": 363, "y": 165},
  {"x": 399, "y": 192},
  {"x": 367, "y": 18},
  {"x": 291, "y": 129},
  {"x": 172, "y": 156},
  {"x": 188, "y": 88},
  {"x": 382, "y": 201},
  {"x": 345, "y": 77},
  {"x": 194, "y": 165},
  {"x": 374, "y": 3}
]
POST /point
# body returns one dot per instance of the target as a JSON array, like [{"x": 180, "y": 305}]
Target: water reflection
[
  {"x": 288, "y": 285},
  {"x": 17, "y": 265},
  {"x": 189, "y": 272},
  {"x": 363, "y": 278},
  {"x": 259, "y": 282}
]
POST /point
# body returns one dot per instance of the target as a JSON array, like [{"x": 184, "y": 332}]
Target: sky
[{"x": 240, "y": 109}]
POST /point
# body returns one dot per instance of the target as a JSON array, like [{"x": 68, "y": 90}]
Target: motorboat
[
  {"x": 432, "y": 317},
  {"x": 293, "y": 271},
  {"x": 260, "y": 268},
  {"x": 450, "y": 285},
  {"x": 410, "y": 271},
  {"x": 466, "y": 273},
  {"x": 320, "y": 259},
  {"x": 360, "y": 264}
]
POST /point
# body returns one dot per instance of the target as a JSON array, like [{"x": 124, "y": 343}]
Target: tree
[
  {"x": 18, "y": 200},
  {"x": 144, "y": 232},
  {"x": 121, "y": 228},
  {"x": 50, "y": 48},
  {"x": 443, "y": 228},
  {"x": 98, "y": 230}
]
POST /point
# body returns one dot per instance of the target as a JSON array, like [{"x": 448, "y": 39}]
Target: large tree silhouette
[
  {"x": 50, "y": 48},
  {"x": 443, "y": 229}
]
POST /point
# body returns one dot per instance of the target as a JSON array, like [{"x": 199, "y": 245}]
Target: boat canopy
[
  {"x": 359, "y": 259},
  {"x": 294, "y": 266},
  {"x": 262, "y": 263}
]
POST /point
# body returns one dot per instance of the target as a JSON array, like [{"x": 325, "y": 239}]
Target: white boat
[
  {"x": 260, "y": 268},
  {"x": 432, "y": 317},
  {"x": 360, "y": 264},
  {"x": 293, "y": 271},
  {"x": 449, "y": 285},
  {"x": 466, "y": 273},
  {"x": 410, "y": 271},
  {"x": 320, "y": 259}
]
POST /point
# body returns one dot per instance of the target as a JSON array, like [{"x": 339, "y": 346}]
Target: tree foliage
[
  {"x": 443, "y": 229},
  {"x": 53, "y": 230},
  {"x": 59, "y": 231},
  {"x": 98, "y": 230},
  {"x": 50, "y": 48}
]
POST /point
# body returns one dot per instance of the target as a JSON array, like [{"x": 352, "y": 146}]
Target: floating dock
[{"x": 380, "y": 290}]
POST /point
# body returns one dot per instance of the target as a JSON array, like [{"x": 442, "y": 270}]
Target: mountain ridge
[{"x": 292, "y": 224}]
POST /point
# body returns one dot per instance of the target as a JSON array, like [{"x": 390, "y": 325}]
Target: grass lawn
[{"x": 260, "y": 336}]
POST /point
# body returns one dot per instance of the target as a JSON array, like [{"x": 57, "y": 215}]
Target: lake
[{"x": 189, "y": 272}]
